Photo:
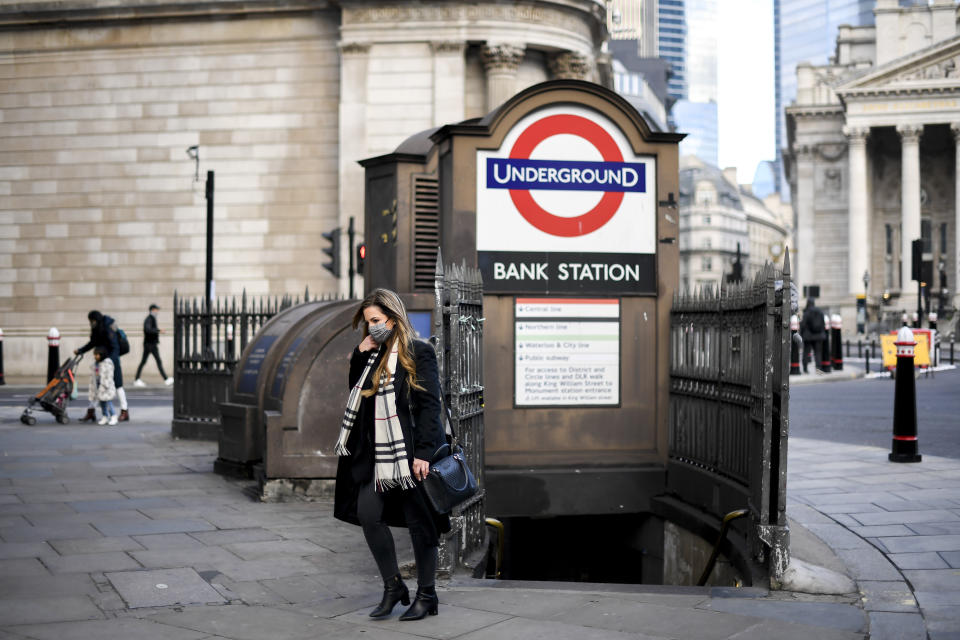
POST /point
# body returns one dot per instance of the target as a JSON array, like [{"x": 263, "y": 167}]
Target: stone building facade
[
  {"x": 717, "y": 216},
  {"x": 873, "y": 149},
  {"x": 99, "y": 101}
]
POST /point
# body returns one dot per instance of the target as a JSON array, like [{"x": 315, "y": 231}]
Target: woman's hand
[
  {"x": 367, "y": 344},
  {"x": 420, "y": 468}
]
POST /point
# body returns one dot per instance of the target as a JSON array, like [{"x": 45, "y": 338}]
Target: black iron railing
[
  {"x": 458, "y": 332},
  {"x": 729, "y": 390},
  {"x": 207, "y": 344}
]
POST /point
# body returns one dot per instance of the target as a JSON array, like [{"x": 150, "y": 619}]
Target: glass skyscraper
[
  {"x": 671, "y": 44},
  {"x": 696, "y": 112},
  {"x": 806, "y": 31}
]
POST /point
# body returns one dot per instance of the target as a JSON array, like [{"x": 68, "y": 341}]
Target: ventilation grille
[{"x": 426, "y": 230}]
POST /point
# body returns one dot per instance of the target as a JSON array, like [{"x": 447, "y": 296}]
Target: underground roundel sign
[{"x": 564, "y": 205}]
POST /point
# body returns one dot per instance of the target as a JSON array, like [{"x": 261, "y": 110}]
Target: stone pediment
[{"x": 935, "y": 69}]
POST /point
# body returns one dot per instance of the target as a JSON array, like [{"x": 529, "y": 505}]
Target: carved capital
[
  {"x": 501, "y": 58},
  {"x": 856, "y": 135},
  {"x": 570, "y": 65},
  {"x": 451, "y": 47},
  {"x": 955, "y": 130},
  {"x": 354, "y": 48},
  {"x": 910, "y": 132}
]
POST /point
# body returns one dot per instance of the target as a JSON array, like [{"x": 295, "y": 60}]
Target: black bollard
[
  {"x": 859, "y": 348},
  {"x": 53, "y": 353},
  {"x": 836, "y": 328},
  {"x": 867, "y": 362},
  {"x": 951, "y": 357},
  {"x": 904, "y": 447},
  {"x": 2, "y": 381},
  {"x": 795, "y": 342},
  {"x": 825, "y": 346}
]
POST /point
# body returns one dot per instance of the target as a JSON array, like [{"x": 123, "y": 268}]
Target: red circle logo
[{"x": 537, "y": 215}]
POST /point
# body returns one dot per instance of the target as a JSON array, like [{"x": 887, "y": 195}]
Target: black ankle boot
[
  {"x": 425, "y": 602},
  {"x": 394, "y": 591}
]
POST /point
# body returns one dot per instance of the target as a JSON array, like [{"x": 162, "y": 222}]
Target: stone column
[
  {"x": 805, "y": 250},
  {"x": 449, "y": 77},
  {"x": 954, "y": 283},
  {"x": 501, "y": 61},
  {"x": 354, "y": 61},
  {"x": 858, "y": 238},
  {"x": 570, "y": 65},
  {"x": 909, "y": 207}
]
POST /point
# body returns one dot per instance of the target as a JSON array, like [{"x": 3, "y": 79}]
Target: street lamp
[{"x": 942, "y": 268}]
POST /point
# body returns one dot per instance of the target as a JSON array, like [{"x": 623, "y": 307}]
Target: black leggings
[
  {"x": 380, "y": 540},
  {"x": 149, "y": 349}
]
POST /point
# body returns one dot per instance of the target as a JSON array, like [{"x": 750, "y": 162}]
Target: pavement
[{"x": 123, "y": 532}]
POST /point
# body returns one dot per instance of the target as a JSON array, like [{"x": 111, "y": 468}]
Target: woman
[{"x": 393, "y": 410}]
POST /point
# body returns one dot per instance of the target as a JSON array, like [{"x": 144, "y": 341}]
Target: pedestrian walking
[
  {"x": 151, "y": 342},
  {"x": 814, "y": 332},
  {"x": 102, "y": 388},
  {"x": 390, "y": 431},
  {"x": 104, "y": 333}
]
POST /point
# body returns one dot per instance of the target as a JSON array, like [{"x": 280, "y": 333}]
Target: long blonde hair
[{"x": 403, "y": 335}]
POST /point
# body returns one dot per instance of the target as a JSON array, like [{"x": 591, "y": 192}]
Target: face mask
[{"x": 380, "y": 332}]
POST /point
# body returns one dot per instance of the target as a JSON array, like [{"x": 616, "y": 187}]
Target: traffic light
[
  {"x": 361, "y": 257},
  {"x": 333, "y": 251}
]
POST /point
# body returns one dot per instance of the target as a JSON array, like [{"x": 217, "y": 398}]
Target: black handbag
[{"x": 449, "y": 482}]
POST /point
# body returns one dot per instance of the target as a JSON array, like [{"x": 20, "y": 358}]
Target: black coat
[
  {"x": 422, "y": 435},
  {"x": 151, "y": 333},
  {"x": 812, "y": 328},
  {"x": 104, "y": 334}
]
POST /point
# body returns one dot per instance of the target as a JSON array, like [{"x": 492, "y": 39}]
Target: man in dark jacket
[
  {"x": 151, "y": 342},
  {"x": 813, "y": 330},
  {"x": 103, "y": 333}
]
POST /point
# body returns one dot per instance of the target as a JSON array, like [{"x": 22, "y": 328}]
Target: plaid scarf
[{"x": 391, "y": 467}]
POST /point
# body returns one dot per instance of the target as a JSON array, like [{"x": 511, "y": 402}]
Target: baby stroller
[{"x": 57, "y": 394}]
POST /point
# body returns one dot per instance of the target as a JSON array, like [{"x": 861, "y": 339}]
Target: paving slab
[
  {"x": 551, "y": 630},
  {"x": 154, "y": 526},
  {"x": 164, "y": 587},
  {"x": 274, "y": 548},
  {"x": 914, "y": 544},
  {"x": 91, "y": 563},
  {"x": 24, "y": 550},
  {"x": 95, "y": 545},
  {"x": 451, "y": 622},
  {"x": 189, "y": 557},
  {"x": 41, "y": 586},
  {"x": 819, "y": 614},
  {"x": 299, "y": 589},
  {"x": 253, "y": 623},
  {"x": 952, "y": 558},
  {"x": 896, "y": 626},
  {"x": 20, "y": 567},
  {"x": 16, "y": 611},
  {"x": 934, "y": 579},
  {"x": 160, "y": 541},
  {"x": 48, "y": 532},
  {"x": 265, "y": 568},
  {"x": 113, "y": 629},
  {"x": 767, "y": 629},
  {"x": 231, "y": 536},
  {"x": 903, "y": 517},
  {"x": 922, "y": 560},
  {"x": 878, "y": 595},
  {"x": 868, "y": 564},
  {"x": 121, "y": 502},
  {"x": 657, "y": 620}
]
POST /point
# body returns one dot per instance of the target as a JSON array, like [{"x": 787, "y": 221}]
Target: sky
[{"x": 745, "y": 85}]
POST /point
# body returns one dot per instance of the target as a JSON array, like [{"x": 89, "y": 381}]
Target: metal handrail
[{"x": 724, "y": 527}]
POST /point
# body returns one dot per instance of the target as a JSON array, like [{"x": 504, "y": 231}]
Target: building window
[
  {"x": 706, "y": 193},
  {"x": 926, "y": 233},
  {"x": 706, "y": 220},
  {"x": 707, "y": 243},
  {"x": 943, "y": 238},
  {"x": 889, "y": 236},
  {"x": 706, "y": 263}
]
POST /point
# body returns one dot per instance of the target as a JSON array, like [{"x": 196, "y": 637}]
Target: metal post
[
  {"x": 208, "y": 289},
  {"x": 867, "y": 362},
  {"x": 825, "y": 346},
  {"x": 904, "y": 446},
  {"x": 2, "y": 381},
  {"x": 351, "y": 234},
  {"x": 836, "y": 329},
  {"x": 859, "y": 348},
  {"x": 53, "y": 353}
]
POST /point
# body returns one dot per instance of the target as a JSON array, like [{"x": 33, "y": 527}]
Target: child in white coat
[{"x": 102, "y": 387}]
